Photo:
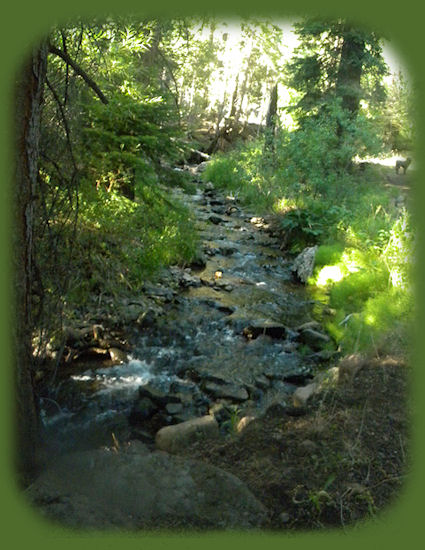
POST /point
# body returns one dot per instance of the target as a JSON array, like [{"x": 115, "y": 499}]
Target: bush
[
  {"x": 124, "y": 141},
  {"x": 121, "y": 243}
]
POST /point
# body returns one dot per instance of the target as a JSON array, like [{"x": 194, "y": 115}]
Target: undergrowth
[
  {"x": 365, "y": 240},
  {"x": 120, "y": 243}
]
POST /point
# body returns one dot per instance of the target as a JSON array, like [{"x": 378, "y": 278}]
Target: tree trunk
[
  {"x": 29, "y": 94},
  {"x": 271, "y": 121},
  {"x": 350, "y": 71}
]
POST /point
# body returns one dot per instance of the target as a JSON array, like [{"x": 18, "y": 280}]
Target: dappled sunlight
[
  {"x": 329, "y": 273},
  {"x": 283, "y": 205}
]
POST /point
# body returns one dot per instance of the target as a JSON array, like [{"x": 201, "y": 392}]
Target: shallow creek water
[{"x": 197, "y": 350}]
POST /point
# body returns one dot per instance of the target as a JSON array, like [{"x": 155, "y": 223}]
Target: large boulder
[
  {"x": 304, "y": 264},
  {"x": 133, "y": 489},
  {"x": 173, "y": 439}
]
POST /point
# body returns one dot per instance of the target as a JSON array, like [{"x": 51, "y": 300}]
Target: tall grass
[
  {"x": 120, "y": 243},
  {"x": 363, "y": 263}
]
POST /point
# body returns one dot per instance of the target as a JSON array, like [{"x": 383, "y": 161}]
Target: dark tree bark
[
  {"x": 89, "y": 81},
  {"x": 350, "y": 71},
  {"x": 28, "y": 98},
  {"x": 271, "y": 121}
]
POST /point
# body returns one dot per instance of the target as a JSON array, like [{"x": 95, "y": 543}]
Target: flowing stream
[{"x": 226, "y": 338}]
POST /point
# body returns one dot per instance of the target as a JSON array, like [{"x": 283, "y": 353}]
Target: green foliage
[
  {"x": 121, "y": 242},
  {"x": 334, "y": 59},
  {"x": 384, "y": 325},
  {"x": 329, "y": 254},
  {"x": 356, "y": 288},
  {"x": 398, "y": 253},
  {"x": 365, "y": 245},
  {"x": 226, "y": 172},
  {"x": 398, "y": 115},
  {"x": 369, "y": 291},
  {"x": 319, "y": 154},
  {"x": 124, "y": 141}
]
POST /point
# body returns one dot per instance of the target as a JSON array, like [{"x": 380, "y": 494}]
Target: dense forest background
[{"x": 111, "y": 112}]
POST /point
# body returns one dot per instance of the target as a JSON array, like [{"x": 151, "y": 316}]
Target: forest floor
[{"x": 341, "y": 460}]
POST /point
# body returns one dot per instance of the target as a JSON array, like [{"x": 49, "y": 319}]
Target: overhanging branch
[{"x": 79, "y": 71}]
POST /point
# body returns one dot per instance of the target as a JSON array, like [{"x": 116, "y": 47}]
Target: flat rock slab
[
  {"x": 227, "y": 391},
  {"x": 134, "y": 489}
]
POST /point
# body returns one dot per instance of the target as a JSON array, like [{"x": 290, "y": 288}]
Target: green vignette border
[{"x": 22, "y": 26}]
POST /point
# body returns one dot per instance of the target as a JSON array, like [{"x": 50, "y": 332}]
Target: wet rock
[
  {"x": 218, "y": 209},
  {"x": 314, "y": 339},
  {"x": 173, "y": 439},
  {"x": 215, "y": 219},
  {"x": 227, "y": 310},
  {"x": 118, "y": 355},
  {"x": 226, "y": 391},
  {"x": 213, "y": 377},
  {"x": 159, "y": 291},
  {"x": 314, "y": 325},
  {"x": 183, "y": 387},
  {"x": 223, "y": 285},
  {"x": 262, "y": 382},
  {"x": 187, "y": 414},
  {"x": 174, "y": 408},
  {"x": 269, "y": 328},
  {"x": 211, "y": 250},
  {"x": 197, "y": 156},
  {"x": 142, "y": 410},
  {"x": 129, "y": 490},
  {"x": 147, "y": 318},
  {"x": 304, "y": 264},
  {"x": 92, "y": 354},
  {"x": 157, "y": 395},
  {"x": 89, "y": 432},
  {"x": 231, "y": 210},
  {"x": 190, "y": 280},
  {"x": 207, "y": 282},
  {"x": 217, "y": 202}
]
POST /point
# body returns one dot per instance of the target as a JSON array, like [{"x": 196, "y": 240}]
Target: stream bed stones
[{"x": 222, "y": 336}]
